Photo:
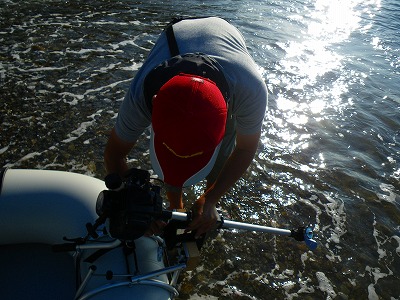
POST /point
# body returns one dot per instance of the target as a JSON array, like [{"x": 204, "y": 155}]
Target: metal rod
[
  {"x": 175, "y": 277},
  {"x": 106, "y": 287},
  {"x": 163, "y": 271},
  {"x": 179, "y": 216},
  {"x": 253, "y": 227},
  {"x": 85, "y": 281},
  {"x": 103, "y": 245},
  {"x": 239, "y": 225}
]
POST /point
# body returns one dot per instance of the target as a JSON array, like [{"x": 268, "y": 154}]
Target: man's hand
[
  {"x": 205, "y": 216},
  {"x": 156, "y": 228},
  {"x": 205, "y": 213},
  {"x": 115, "y": 154}
]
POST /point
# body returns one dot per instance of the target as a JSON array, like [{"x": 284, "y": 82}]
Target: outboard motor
[{"x": 131, "y": 205}]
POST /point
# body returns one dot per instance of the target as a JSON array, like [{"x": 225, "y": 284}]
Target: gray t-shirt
[{"x": 220, "y": 40}]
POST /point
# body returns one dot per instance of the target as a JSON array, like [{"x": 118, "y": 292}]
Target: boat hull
[{"x": 40, "y": 207}]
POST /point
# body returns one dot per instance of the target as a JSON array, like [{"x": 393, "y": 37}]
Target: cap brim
[{"x": 178, "y": 171}]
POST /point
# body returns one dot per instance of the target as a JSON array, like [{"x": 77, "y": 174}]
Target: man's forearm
[
  {"x": 115, "y": 154},
  {"x": 232, "y": 171},
  {"x": 114, "y": 165},
  {"x": 235, "y": 166},
  {"x": 205, "y": 205}
]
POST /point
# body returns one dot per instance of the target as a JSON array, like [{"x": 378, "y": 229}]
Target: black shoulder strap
[
  {"x": 2, "y": 175},
  {"x": 169, "y": 31},
  {"x": 189, "y": 63}
]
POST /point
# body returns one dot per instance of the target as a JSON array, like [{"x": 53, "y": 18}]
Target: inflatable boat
[
  {"x": 47, "y": 253},
  {"x": 70, "y": 236}
]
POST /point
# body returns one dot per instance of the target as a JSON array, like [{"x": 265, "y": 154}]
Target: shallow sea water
[{"x": 330, "y": 147}]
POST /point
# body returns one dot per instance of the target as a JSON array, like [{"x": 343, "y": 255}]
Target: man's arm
[
  {"x": 115, "y": 154},
  {"x": 234, "y": 168}
]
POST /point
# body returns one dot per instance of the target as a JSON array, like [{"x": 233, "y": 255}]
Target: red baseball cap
[{"x": 188, "y": 125}]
